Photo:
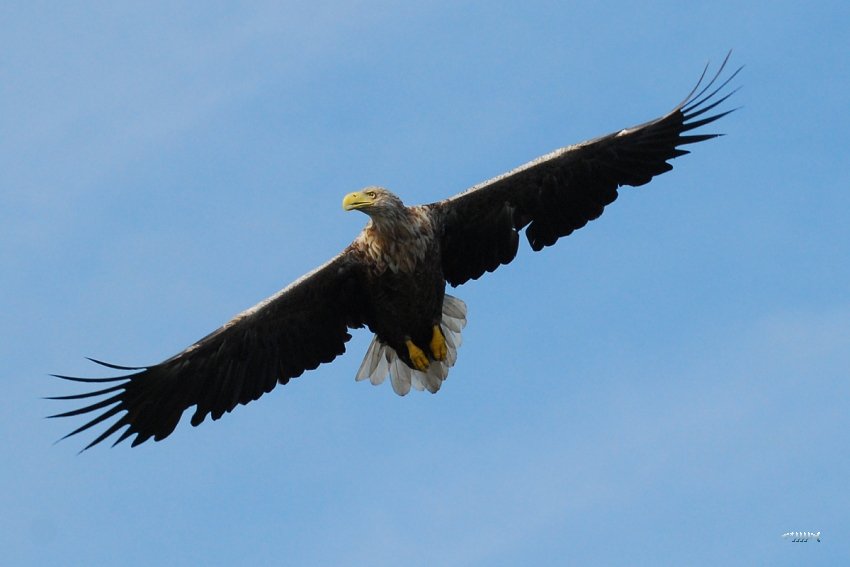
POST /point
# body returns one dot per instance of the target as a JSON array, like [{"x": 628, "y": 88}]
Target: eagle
[{"x": 392, "y": 279}]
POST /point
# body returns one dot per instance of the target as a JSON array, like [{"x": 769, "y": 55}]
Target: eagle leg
[
  {"x": 438, "y": 344},
  {"x": 420, "y": 361}
]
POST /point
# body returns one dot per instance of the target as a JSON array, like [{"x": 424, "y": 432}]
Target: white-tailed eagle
[{"x": 392, "y": 279}]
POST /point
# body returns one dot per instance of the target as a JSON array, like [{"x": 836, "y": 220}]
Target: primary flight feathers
[{"x": 392, "y": 280}]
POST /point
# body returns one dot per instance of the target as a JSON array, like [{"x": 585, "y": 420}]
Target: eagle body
[
  {"x": 400, "y": 253},
  {"x": 392, "y": 279}
]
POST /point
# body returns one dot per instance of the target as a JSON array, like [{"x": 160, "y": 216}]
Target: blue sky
[{"x": 667, "y": 386}]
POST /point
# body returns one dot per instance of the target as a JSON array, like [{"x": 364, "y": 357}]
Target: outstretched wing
[
  {"x": 561, "y": 191},
  {"x": 300, "y": 327}
]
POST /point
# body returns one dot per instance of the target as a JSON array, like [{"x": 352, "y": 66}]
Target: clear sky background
[{"x": 667, "y": 386}]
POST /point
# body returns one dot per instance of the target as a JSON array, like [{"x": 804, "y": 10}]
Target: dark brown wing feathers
[
  {"x": 560, "y": 192},
  {"x": 303, "y": 326}
]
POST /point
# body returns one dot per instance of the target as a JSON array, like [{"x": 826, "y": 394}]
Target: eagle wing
[
  {"x": 560, "y": 192},
  {"x": 300, "y": 327}
]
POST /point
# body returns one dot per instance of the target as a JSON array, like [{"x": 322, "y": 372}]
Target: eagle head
[{"x": 374, "y": 201}]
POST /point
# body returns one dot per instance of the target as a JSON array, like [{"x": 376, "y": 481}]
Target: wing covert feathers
[{"x": 562, "y": 191}]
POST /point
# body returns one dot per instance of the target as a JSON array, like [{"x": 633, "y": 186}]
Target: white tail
[{"x": 381, "y": 359}]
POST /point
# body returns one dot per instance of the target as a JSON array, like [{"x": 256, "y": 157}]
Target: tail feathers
[{"x": 381, "y": 359}]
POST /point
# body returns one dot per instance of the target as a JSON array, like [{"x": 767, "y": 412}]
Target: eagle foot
[
  {"x": 420, "y": 361},
  {"x": 438, "y": 344}
]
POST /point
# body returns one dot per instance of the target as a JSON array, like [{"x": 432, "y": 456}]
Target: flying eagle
[{"x": 392, "y": 279}]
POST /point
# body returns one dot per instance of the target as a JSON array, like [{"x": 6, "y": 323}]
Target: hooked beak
[{"x": 358, "y": 200}]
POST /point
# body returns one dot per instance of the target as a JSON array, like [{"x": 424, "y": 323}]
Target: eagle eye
[{"x": 371, "y": 194}]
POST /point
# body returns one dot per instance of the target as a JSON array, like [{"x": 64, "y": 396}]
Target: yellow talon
[
  {"x": 420, "y": 361},
  {"x": 438, "y": 344}
]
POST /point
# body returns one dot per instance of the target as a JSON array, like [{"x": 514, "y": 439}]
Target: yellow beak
[{"x": 356, "y": 200}]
